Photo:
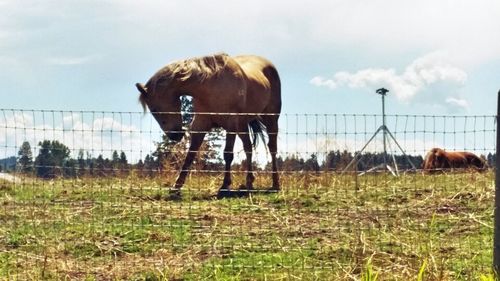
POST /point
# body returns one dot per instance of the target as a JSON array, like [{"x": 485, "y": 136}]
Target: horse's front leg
[
  {"x": 196, "y": 141},
  {"x": 228, "y": 159}
]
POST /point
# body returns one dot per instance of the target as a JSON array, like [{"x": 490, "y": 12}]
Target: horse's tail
[{"x": 257, "y": 129}]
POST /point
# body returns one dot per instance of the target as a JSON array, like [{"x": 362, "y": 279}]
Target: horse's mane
[{"x": 198, "y": 68}]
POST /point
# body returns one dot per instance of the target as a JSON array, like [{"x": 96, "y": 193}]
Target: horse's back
[{"x": 263, "y": 84}]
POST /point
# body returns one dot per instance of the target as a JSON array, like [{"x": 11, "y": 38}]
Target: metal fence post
[{"x": 496, "y": 238}]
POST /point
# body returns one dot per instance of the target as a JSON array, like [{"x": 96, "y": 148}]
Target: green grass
[{"x": 319, "y": 227}]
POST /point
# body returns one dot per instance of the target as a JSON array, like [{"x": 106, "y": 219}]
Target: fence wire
[{"x": 85, "y": 195}]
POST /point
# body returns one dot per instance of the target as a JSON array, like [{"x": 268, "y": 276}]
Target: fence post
[{"x": 496, "y": 231}]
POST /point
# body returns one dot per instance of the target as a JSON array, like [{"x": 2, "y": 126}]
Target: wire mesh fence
[{"x": 85, "y": 195}]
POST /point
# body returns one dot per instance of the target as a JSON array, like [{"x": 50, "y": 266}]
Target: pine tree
[
  {"x": 99, "y": 166},
  {"x": 187, "y": 110},
  {"x": 123, "y": 163},
  {"x": 51, "y": 159},
  {"x": 115, "y": 163},
  {"x": 44, "y": 161},
  {"x": 25, "y": 160},
  {"x": 140, "y": 168},
  {"x": 81, "y": 164},
  {"x": 148, "y": 165},
  {"x": 108, "y": 168},
  {"x": 70, "y": 170},
  {"x": 312, "y": 164}
]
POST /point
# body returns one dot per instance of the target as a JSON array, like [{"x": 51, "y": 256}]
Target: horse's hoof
[
  {"x": 226, "y": 193},
  {"x": 174, "y": 195},
  {"x": 275, "y": 188},
  {"x": 245, "y": 188},
  {"x": 223, "y": 192}
]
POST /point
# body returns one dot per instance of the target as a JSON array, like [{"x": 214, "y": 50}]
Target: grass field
[{"x": 319, "y": 227}]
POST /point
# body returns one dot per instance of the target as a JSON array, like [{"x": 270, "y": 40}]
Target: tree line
[
  {"x": 338, "y": 160},
  {"x": 54, "y": 160}
]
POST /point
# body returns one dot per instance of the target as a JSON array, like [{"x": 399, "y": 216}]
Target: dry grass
[{"x": 320, "y": 226}]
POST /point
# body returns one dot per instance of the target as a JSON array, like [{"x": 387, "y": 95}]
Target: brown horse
[
  {"x": 438, "y": 159},
  {"x": 241, "y": 94}
]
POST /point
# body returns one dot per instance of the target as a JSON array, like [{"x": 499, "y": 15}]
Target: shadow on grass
[
  {"x": 238, "y": 193},
  {"x": 191, "y": 195}
]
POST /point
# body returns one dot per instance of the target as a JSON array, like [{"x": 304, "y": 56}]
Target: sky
[{"x": 435, "y": 57}]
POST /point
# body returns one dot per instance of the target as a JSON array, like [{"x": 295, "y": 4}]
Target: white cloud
[
  {"x": 68, "y": 61},
  {"x": 322, "y": 82},
  {"x": 462, "y": 103},
  {"x": 460, "y": 27},
  {"x": 430, "y": 76},
  {"x": 466, "y": 29}
]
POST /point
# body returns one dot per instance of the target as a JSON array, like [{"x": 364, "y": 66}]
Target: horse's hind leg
[
  {"x": 247, "y": 146},
  {"x": 228, "y": 159},
  {"x": 271, "y": 123}
]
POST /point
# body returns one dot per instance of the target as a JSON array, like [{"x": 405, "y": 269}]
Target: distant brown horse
[
  {"x": 241, "y": 94},
  {"x": 438, "y": 159}
]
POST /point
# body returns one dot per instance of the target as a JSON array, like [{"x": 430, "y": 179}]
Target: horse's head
[
  {"x": 441, "y": 160},
  {"x": 165, "y": 107},
  {"x": 435, "y": 159},
  {"x": 429, "y": 161}
]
